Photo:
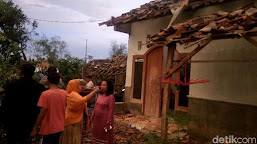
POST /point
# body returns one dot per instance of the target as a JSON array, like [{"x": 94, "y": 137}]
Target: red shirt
[{"x": 55, "y": 102}]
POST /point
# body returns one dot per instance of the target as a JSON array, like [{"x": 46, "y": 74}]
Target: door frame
[
  {"x": 133, "y": 100},
  {"x": 144, "y": 77},
  {"x": 177, "y": 107}
]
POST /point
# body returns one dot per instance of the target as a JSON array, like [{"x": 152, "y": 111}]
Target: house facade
[{"x": 227, "y": 105}]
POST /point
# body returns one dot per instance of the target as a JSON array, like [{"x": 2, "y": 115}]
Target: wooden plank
[
  {"x": 221, "y": 61},
  {"x": 176, "y": 9},
  {"x": 195, "y": 51},
  {"x": 251, "y": 34},
  {"x": 194, "y": 43},
  {"x": 251, "y": 40},
  {"x": 169, "y": 39},
  {"x": 166, "y": 93}
]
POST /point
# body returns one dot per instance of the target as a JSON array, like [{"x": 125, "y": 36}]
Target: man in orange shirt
[{"x": 52, "y": 112}]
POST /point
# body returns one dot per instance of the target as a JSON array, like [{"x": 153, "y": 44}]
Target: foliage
[
  {"x": 49, "y": 49},
  {"x": 154, "y": 139},
  {"x": 181, "y": 119},
  {"x": 70, "y": 68},
  {"x": 117, "y": 49},
  {"x": 13, "y": 32},
  {"x": 7, "y": 72},
  {"x": 129, "y": 142},
  {"x": 54, "y": 51}
]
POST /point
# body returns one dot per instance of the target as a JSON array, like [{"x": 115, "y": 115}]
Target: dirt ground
[
  {"x": 134, "y": 129},
  {"x": 122, "y": 134}
]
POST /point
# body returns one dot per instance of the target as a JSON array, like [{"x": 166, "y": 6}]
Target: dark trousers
[
  {"x": 52, "y": 138},
  {"x": 18, "y": 136}
]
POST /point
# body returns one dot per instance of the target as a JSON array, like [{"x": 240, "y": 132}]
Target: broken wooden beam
[
  {"x": 220, "y": 61},
  {"x": 251, "y": 40},
  {"x": 195, "y": 51}
]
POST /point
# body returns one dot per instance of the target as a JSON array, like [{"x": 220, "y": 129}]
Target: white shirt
[{"x": 89, "y": 85}]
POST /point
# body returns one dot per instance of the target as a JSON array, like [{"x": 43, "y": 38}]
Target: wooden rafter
[
  {"x": 213, "y": 37},
  {"x": 220, "y": 61},
  {"x": 251, "y": 40},
  {"x": 195, "y": 51}
]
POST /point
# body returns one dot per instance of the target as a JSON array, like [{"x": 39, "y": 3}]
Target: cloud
[
  {"x": 37, "y": 5},
  {"x": 100, "y": 8},
  {"x": 75, "y": 35}
]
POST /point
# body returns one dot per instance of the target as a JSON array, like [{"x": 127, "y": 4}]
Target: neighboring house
[
  {"x": 107, "y": 68},
  {"x": 227, "y": 105},
  {"x": 112, "y": 69},
  {"x": 42, "y": 67}
]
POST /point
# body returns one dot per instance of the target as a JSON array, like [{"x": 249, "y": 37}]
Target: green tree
[
  {"x": 55, "y": 52},
  {"x": 14, "y": 32},
  {"x": 70, "y": 68},
  {"x": 50, "y": 49},
  {"x": 117, "y": 49}
]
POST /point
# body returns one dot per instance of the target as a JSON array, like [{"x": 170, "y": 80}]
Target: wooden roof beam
[
  {"x": 195, "y": 51},
  {"x": 251, "y": 40}
]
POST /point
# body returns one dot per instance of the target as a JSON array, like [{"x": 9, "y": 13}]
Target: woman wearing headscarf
[
  {"x": 76, "y": 106},
  {"x": 102, "y": 116}
]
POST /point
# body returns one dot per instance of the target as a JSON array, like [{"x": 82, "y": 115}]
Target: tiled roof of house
[
  {"x": 236, "y": 22},
  {"x": 154, "y": 9},
  {"x": 109, "y": 67},
  {"x": 43, "y": 64}
]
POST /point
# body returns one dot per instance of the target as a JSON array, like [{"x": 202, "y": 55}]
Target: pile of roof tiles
[
  {"x": 198, "y": 3},
  {"x": 154, "y": 9},
  {"x": 109, "y": 67},
  {"x": 149, "y": 10},
  {"x": 241, "y": 20}
]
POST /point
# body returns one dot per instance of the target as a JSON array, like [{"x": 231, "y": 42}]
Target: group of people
[{"x": 58, "y": 113}]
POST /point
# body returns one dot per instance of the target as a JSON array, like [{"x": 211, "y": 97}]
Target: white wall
[
  {"x": 230, "y": 81},
  {"x": 139, "y": 32},
  {"x": 233, "y": 82}
]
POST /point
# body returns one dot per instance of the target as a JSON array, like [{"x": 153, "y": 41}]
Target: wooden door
[{"x": 153, "y": 73}]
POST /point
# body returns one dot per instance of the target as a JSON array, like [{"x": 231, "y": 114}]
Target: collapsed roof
[
  {"x": 108, "y": 67},
  {"x": 155, "y": 9},
  {"x": 236, "y": 22}
]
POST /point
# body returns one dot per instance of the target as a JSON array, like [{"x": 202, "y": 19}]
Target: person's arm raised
[{"x": 87, "y": 97}]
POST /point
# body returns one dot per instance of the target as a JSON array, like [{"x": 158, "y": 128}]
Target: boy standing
[{"x": 52, "y": 111}]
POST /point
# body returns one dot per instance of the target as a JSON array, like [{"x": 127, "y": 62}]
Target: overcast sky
[{"x": 99, "y": 37}]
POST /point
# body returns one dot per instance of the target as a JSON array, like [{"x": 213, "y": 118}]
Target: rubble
[
  {"x": 127, "y": 129},
  {"x": 236, "y": 22},
  {"x": 155, "y": 9},
  {"x": 122, "y": 134},
  {"x": 109, "y": 67}
]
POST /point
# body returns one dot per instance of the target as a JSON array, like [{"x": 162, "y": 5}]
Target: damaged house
[
  {"x": 113, "y": 69},
  {"x": 212, "y": 48}
]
